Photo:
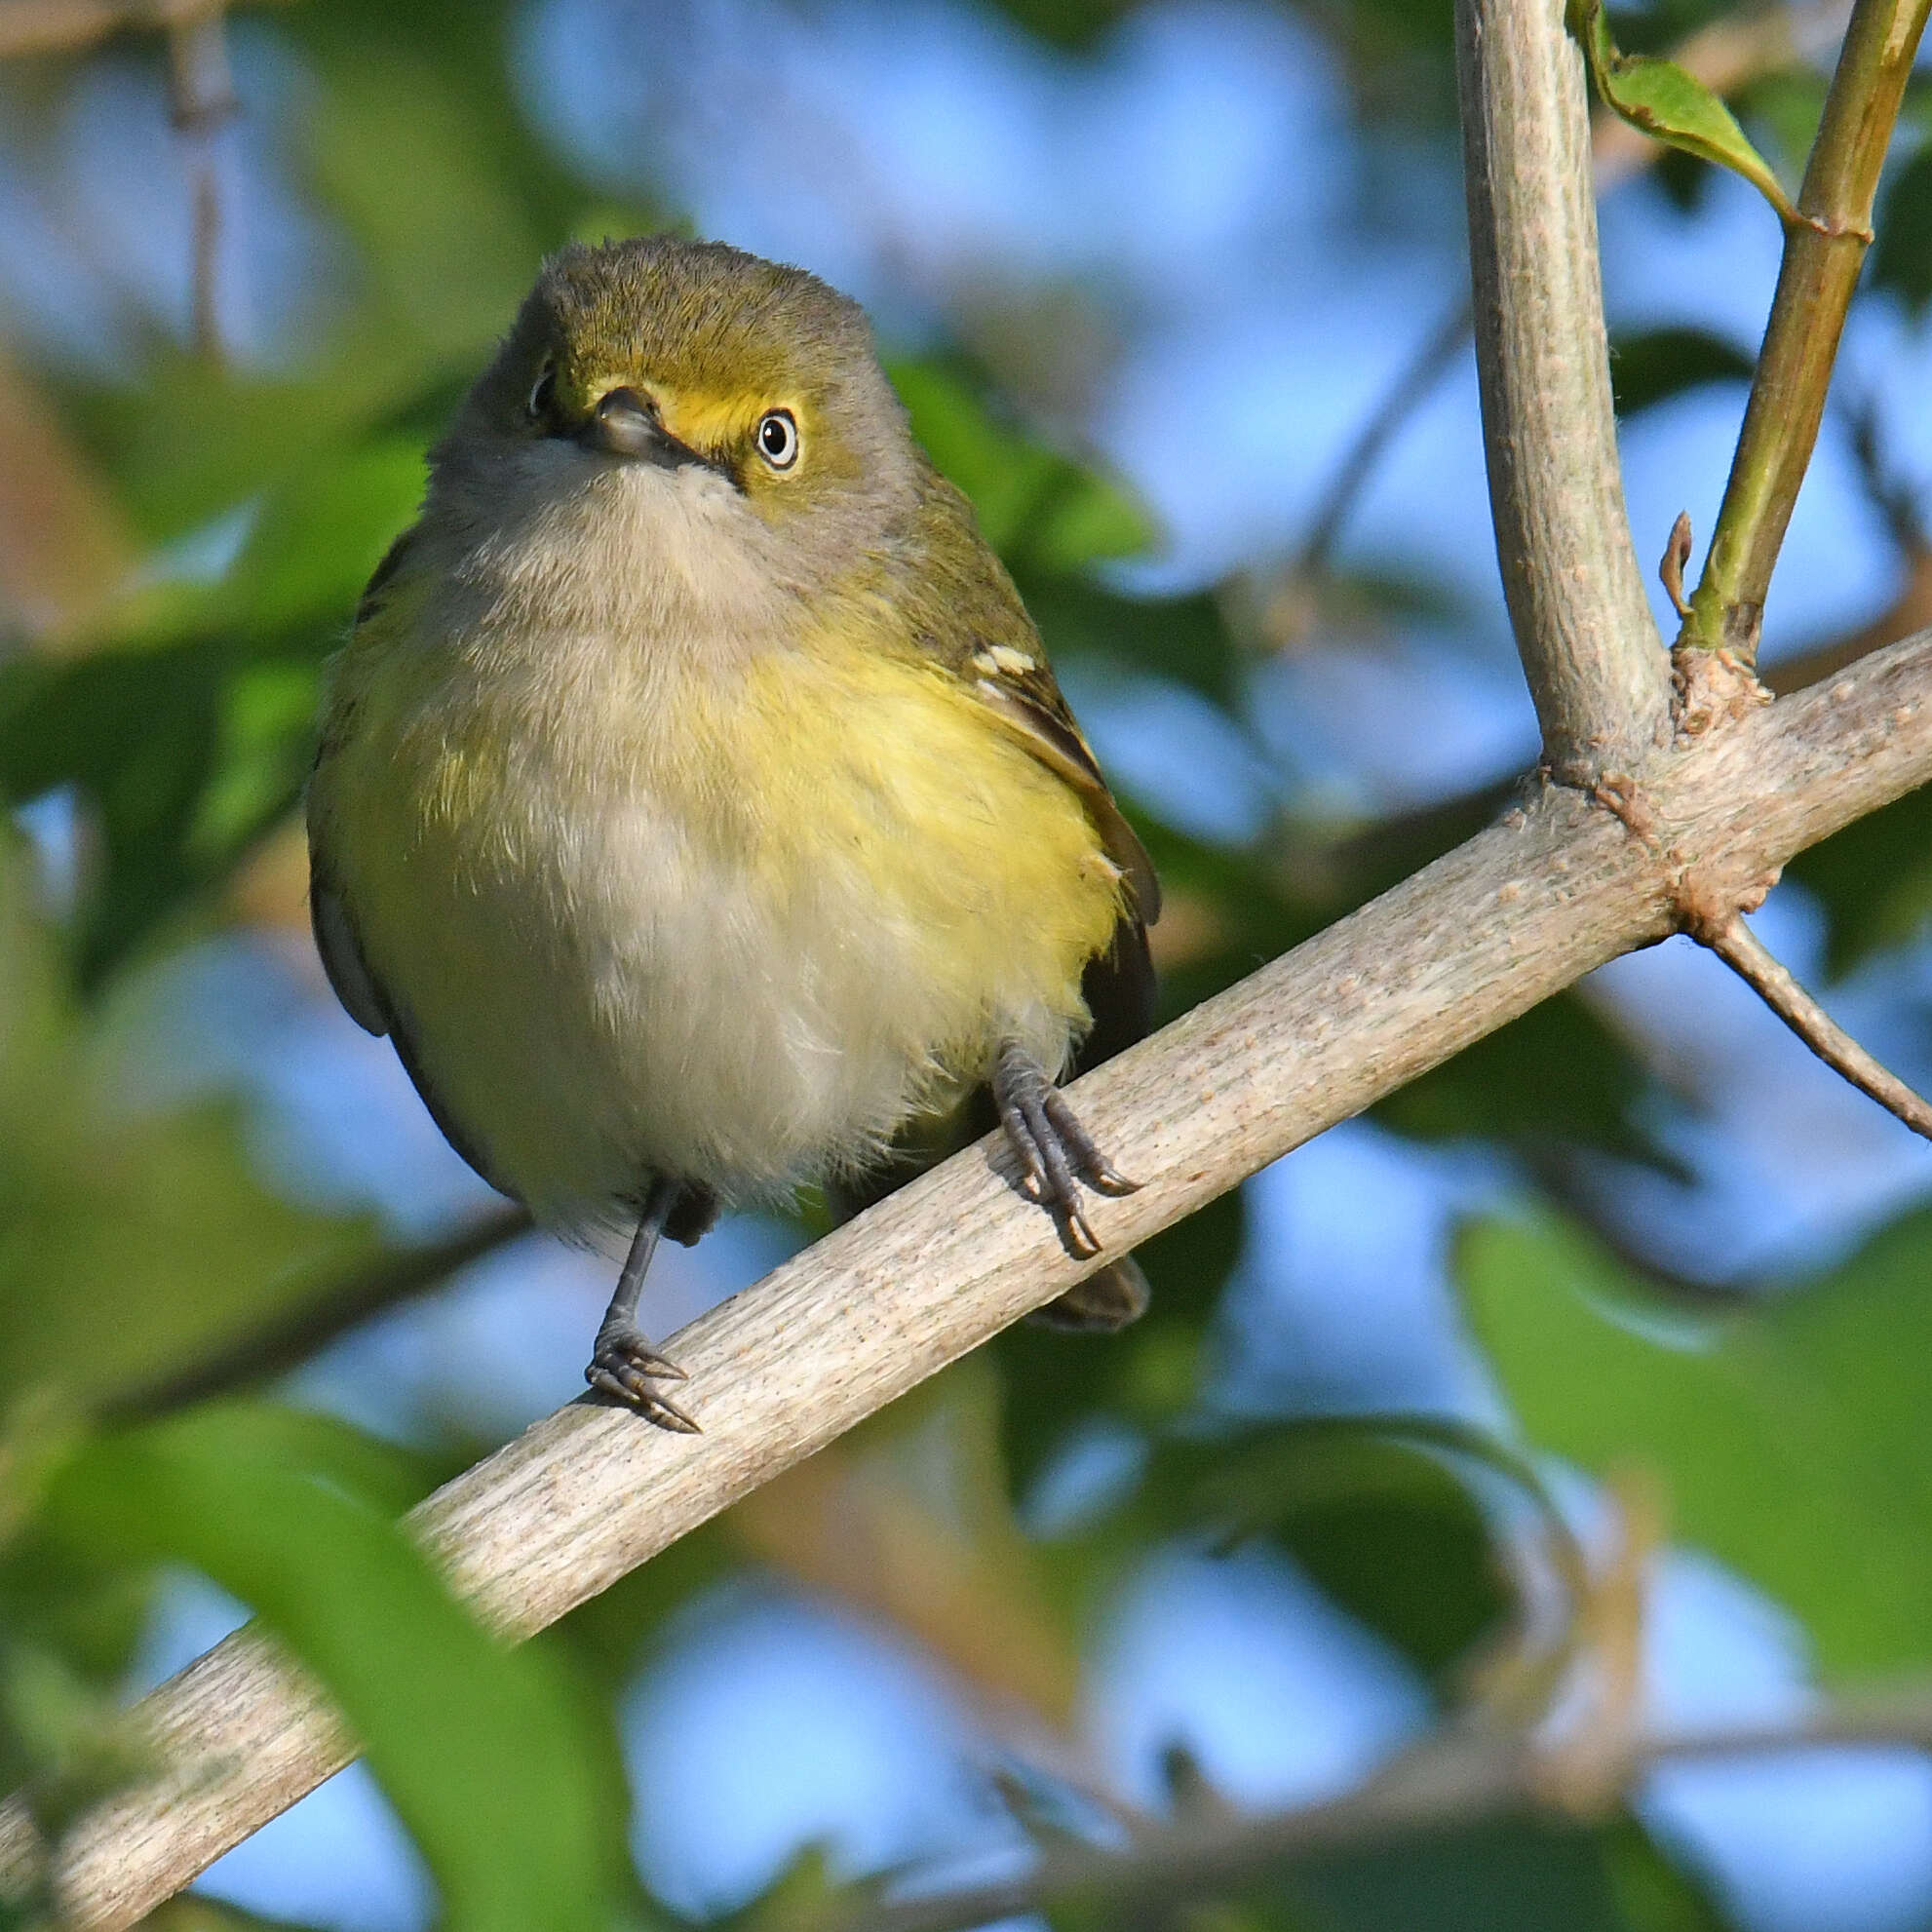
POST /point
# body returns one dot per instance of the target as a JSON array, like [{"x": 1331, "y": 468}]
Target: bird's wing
[
  {"x": 341, "y": 956},
  {"x": 967, "y": 615},
  {"x": 343, "y": 959},
  {"x": 1017, "y": 686},
  {"x": 329, "y": 917},
  {"x": 365, "y": 1003}
]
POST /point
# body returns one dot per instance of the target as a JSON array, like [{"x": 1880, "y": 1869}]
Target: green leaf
[
  {"x": 1792, "y": 1436},
  {"x": 132, "y": 1237},
  {"x": 1660, "y": 99},
  {"x": 184, "y": 755},
  {"x": 481, "y": 1749},
  {"x": 1902, "y": 255},
  {"x": 1183, "y": 638},
  {"x": 1374, "y": 1508},
  {"x": 1655, "y": 365},
  {"x": 1511, "y": 1876},
  {"x": 1035, "y": 507},
  {"x": 320, "y": 535}
]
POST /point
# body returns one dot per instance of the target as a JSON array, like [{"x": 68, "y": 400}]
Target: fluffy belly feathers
[{"x": 736, "y": 932}]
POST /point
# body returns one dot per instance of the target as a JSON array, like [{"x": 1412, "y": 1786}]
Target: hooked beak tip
[{"x": 624, "y": 424}]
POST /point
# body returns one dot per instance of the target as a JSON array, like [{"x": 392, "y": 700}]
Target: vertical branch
[
  {"x": 202, "y": 96},
  {"x": 1595, "y": 663},
  {"x": 1824, "y": 252}
]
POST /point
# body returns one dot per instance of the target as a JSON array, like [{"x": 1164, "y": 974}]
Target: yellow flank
[
  {"x": 861, "y": 760},
  {"x": 643, "y": 912}
]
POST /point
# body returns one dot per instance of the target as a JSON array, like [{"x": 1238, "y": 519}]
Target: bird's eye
[
  {"x": 541, "y": 393},
  {"x": 778, "y": 439}
]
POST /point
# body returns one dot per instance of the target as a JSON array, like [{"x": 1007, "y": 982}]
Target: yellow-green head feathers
[{"x": 761, "y": 372}]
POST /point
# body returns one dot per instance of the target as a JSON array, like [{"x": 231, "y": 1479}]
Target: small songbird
[{"x": 695, "y": 809}]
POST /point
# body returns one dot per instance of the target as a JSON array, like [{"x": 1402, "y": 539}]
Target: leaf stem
[{"x": 1824, "y": 252}]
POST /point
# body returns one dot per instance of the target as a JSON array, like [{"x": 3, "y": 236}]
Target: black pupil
[{"x": 777, "y": 435}]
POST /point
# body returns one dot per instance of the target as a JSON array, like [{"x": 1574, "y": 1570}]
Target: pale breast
[{"x": 733, "y": 930}]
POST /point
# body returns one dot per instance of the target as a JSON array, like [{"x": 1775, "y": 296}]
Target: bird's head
[{"x": 689, "y": 397}]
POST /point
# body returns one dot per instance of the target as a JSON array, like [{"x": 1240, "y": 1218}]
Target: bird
[{"x": 694, "y": 807}]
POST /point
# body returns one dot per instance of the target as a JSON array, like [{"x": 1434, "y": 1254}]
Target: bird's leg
[
  {"x": 1056, "y": 1152},
  {"x": 623, "y": 1364}
]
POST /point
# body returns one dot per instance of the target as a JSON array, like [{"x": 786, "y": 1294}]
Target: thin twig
[
  {"x": 293, "y": 1334},
  {"x": 1824, "y": 252},
  {"x": 1590, "y": 648},
  {"x": 1463, "y": 1776},
  {"x": 1411, "y": 389},
  {"x": 1449, "y": 1779},
  {"x": 1748, "y": 956},
  {"x": 201, "y": 93},
  {"x": 1522, "y": 910},
  {"x": 65, "y": 26}
]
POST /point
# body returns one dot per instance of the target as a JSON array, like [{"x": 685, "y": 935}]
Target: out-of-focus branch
[
  {"x": 1824, "y": 252},
  {"x": 1411, "y": 388},
  {"x": 1462, "y": 1778},
  {"x": 1590, "y": 649},
  {"x": 201, "y": 93},
  {"x": 293, "y": 1334},
  {"x": 65, "y": 27}
]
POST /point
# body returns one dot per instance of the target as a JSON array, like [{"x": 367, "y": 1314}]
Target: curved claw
[
  {"x": 1080, "y": 1235},
  {"x": 625, "y": 1366},
  {"x": 1056, "y": 1152},
  {"x": 1101, "y": 1173}
]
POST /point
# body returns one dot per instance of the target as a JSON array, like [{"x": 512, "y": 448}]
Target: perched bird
[{"x": 695, "y": 809}]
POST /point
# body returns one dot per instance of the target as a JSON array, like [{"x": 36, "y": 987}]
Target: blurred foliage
[
  {"x": 170, "y": 723},
  {"x": 484, "y": 1751},
  {"x": 1789, "y": 1436},
  {"x": 1902, "y": 256},
  {"x": 132, "y": 1235},
  {"x": 1656, "y": 364}
]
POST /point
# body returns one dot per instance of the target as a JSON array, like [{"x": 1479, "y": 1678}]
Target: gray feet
[
  {"x": 624, "y": 1366},
  {"x": 1056, "y": 1152}
]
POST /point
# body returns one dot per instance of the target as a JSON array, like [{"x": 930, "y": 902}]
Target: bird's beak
[{"x": 624, "y": 424}]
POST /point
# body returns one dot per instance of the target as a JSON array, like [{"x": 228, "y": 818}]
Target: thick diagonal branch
[
  {"x": 1481, "y": 935},
  {"x": 1591, "y": 651}
]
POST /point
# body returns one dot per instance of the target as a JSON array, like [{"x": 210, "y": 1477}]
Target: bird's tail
[{"x": 1108, "y": 1300}]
